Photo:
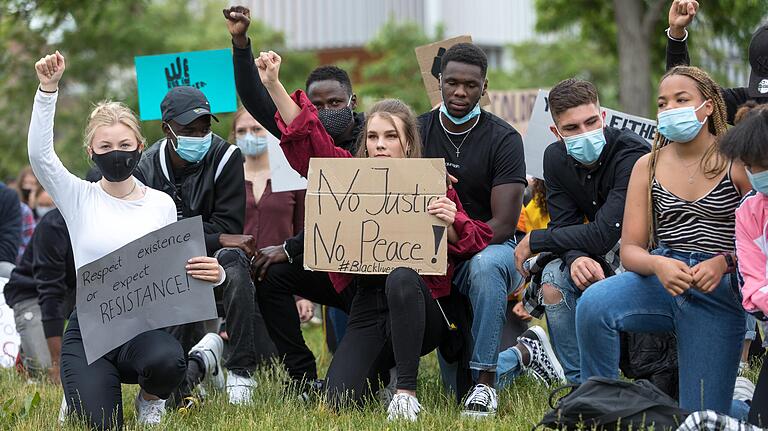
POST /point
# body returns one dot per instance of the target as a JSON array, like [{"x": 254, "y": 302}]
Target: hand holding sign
[
  {"x": 49, "y": 71},
  {"x": 268, "y": 65},
  {"x": 238, "y": 20}
]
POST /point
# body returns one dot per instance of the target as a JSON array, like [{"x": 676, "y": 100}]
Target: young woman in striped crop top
[{"x": 677, "y": 245}]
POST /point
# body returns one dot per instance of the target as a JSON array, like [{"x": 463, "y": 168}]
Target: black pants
[
  {"x": 153, "y": 359},
  {"x": 276, "y": 291},
  {"x": 393, "y": 322},
  {"x": 249, "y": 342},
  {"x": 758, "y": 411}
]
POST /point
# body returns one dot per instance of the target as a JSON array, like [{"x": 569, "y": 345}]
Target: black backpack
[{"x": 607, "y": 404}]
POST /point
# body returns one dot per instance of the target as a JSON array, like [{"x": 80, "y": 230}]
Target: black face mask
[
  {"x": 117, "y": 165},
  {"x": 336, "y": 121}
]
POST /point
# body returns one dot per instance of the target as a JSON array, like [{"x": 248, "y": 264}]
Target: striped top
[{"x": 706, "y": 225}]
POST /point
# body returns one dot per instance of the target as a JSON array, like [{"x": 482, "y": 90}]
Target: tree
[
  {"x": 632, "y": 30},
  {"x": 100, "y": 39}
]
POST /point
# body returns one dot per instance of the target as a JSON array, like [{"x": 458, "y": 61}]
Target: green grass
[{"x": 521, "y": 406}]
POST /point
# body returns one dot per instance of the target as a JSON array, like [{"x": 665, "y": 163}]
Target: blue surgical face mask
[
  {"x": 680, "y": 124},
  {"x": 586, "y": 147},
  {"x": 252, "y": 145},
  {"x": 191, "y": 148},
  {"x": 759, "y": 181},
  {"x": 457, "y": 120}
]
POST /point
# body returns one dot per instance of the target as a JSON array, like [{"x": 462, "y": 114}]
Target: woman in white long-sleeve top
[{"x": 102, "y": 217}]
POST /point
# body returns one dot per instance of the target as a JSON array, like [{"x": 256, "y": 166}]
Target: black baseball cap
[
  {"x": 184, "y": 105},
  {"x": 758, "y": 60}
]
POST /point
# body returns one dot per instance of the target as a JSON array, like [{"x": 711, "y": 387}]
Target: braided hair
[{"x": 711, "y": 163}]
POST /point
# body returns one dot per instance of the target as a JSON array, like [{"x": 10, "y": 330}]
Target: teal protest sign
[{"x": 210, "y": 71}]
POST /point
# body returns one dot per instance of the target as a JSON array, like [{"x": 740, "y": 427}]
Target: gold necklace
[
  {"x": 687, "y": 167},
  {"x": 125, "y": 195}
]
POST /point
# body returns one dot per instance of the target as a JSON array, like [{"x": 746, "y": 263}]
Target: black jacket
[
  {"x": 47, "y": 272},
  {"x": 212, "y": 188},
  {"x": 10, "y": 224},
  {"x": 677, "y": 55},
  {"x": 575, "y": 193},
  {"x": 259, "y": 104}
]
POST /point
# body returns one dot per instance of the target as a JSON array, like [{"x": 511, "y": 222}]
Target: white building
[{"x": 335, "y": 27}]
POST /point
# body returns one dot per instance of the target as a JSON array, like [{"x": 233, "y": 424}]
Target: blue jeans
[
  {"x": 487, "y": 279},
  {"x": 561, "y": 318},
  {"x": 709, "y": 328},
  {"x": 510, "y": 367}
]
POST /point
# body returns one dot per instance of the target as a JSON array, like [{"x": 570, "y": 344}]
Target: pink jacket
[
  {"x": 752, "y": 251},
  {"x": 305, "y": 138}
]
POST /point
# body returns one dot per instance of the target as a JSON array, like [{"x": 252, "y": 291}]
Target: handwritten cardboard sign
[
  {"x": 538, "y": 136},
  {"x": 211, "y": 72},
  {"x": 429, "y": 57},
  {"x": 9, "y": 338},
  {"x": 142, "y": 286},
  {"x": 369, "y": 216},
  {"x": 513, "y": 106}
]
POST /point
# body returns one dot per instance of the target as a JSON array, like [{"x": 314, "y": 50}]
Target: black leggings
[
  {"x": 393, "y": 322},
  {"x": 153, "y": 359}
]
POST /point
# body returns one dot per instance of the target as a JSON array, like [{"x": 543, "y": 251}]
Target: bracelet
[
  {"x": 49, "y": 92},
  {"x": 290, "y": 259},
  {"x": 730, "y": 262},
  {"x": 677, "y": 40}
]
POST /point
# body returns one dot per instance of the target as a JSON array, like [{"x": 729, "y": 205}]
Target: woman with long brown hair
[
  {"x": 395, "y": 318},
  {"x": 677, "y": 245}
]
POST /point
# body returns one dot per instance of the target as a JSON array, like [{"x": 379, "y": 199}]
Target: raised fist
[
  {"x": 681, "y": 14},
  {"x": 238, "y": 20},
  {"x": 49, "y": 70},
  {"x": 268, "y": 65}
]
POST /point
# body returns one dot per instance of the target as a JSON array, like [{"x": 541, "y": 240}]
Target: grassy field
[{"x": 520, "y": 407}]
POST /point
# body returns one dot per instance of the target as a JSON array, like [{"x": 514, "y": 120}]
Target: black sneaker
[
  {"x": 544, "y": 365},
  {"x": 481, "y": 402},
  {"x": 311, "y": 390}
]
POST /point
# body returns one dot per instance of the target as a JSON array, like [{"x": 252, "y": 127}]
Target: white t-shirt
[{"x": 98, "y": 223}]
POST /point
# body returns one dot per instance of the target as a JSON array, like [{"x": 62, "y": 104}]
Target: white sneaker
[
  {"x": 63, "y": 410},
  {"x": 744, "y": 389},
  {"x": 239, "y": 388},
  {"x": 482, "y": 402},
  {"x": 403, "y": 406},
  {"x": 210, "y": 348},
  {"x": 149, "y": 412}
]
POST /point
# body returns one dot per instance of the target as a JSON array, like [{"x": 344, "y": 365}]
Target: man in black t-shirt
[{"x": 486, "y": 155}]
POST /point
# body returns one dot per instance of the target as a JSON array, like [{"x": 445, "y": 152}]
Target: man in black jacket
[
  {"x": 279, "y": 268},
  {"x": 681, "y": 14},
  {"x": 204, "y": 176},
  {"x": 586, "y": 172},
  {"x": 41, "y": 293}
]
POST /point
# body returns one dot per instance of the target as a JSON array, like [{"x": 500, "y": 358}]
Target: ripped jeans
[{"x": 561, "y": 317}]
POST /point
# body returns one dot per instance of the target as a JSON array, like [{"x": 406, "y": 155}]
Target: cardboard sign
[
  {"x": 538, "y": 136},
  {"x": 9, "y": 338},
  {"x": 515, "y": 107},
  {"x": 142, "y": 286},
  {"x": 429, "y": 57},
  {"x": 369, "y": 216},
  {"x": 284, "y": 177},
  {"x": 211, "y": 72}
]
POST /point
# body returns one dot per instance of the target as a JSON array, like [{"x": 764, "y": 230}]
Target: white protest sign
[
  {"x": 142, "y": 286},
  {"x": 283, "y": 177},
  {"x": 539, "y": 136},
  {"x": 9, "y": 338},
  {"x": 514, "y": 107},
  {"x": 369, "y": 216}
]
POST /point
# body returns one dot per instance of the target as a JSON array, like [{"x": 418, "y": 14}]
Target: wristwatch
[
  {"x": 288, "y": 255},
  {"x": 730, "y": 261}
]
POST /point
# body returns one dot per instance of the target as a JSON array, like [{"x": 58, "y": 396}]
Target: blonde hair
[
  {"x": 712, "y": 163},
  {"x": 388, "y": 109},
  {"x": 109, "y": 113}
]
